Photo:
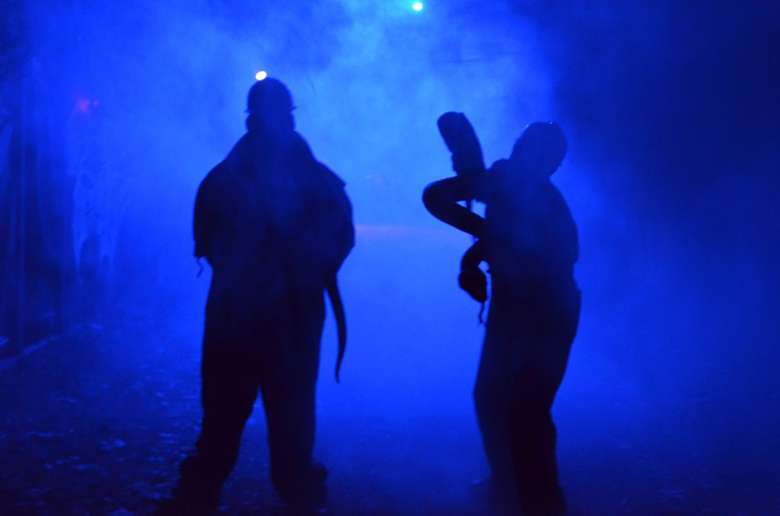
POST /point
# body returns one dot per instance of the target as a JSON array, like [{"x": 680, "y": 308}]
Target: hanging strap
[
  {"x": 341, "y": 322},
  {"x": 481, "y": 315}
]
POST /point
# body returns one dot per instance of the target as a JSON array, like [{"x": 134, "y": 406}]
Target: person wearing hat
[
  {"x": 529, "y": 240},
  {"x": 275, "y": 226}
]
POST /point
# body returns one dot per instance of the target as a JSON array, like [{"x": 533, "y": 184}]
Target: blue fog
[{"x": 670, "y": 402}]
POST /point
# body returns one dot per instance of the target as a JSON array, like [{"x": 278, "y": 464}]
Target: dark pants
[
  {"x": 523, "y": 360},
  {"x": 278, "y": 358}
]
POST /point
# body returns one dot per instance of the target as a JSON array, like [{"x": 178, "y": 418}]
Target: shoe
[
  {"x": 498, "y": 494},
  {"x": 308, "y": 491},
  {"x": 492, "y": 486},
  {"x": 318, "y": 472},
  {"x": 539, "y": 505},
  {"x": 175, "y": 507},
  {"x": 190, "y": 500}
]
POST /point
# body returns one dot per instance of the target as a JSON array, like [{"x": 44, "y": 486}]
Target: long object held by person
[
  {"x": 467, "y": 158},
  {"x": 462, "y": 142}
]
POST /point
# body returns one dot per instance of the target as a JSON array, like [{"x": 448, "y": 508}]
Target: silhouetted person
[
  {"x": 529, "y": 240},
  {"x": 275, "y": 225}
]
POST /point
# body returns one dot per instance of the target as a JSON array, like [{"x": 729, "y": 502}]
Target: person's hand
[{"x": 474, "y": 282}]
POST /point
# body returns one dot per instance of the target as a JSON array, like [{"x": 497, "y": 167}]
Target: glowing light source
[
  {"x": 418, "y": 6},
  {"x": 261, "y": 75}
]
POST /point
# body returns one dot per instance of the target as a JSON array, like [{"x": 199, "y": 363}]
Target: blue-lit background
[{"x": 670, "y": 403}]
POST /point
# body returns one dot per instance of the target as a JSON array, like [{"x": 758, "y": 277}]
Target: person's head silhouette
[
  {"x": 269, "y": 108},
  {"x": 540, "y": 149}
]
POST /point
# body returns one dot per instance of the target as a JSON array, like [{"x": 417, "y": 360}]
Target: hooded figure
[
  {"x": 529, "y": 240},
  {"x": 275, "y": 226}
]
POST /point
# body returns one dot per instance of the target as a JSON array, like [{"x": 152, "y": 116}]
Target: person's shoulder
[
  {"x": 220, "y": 181},
  {"x": 556, "y": 203},
  {"x": 223, "y": 171},
  {"x": 322, "y": 171},
  {"x": 330, "y": 177},
  {"x": 554, "y": 193},
  {"x": 300, "y": 147},
  {"x": 215, "y": 176},
  {"x": 499, "y": 166},
  {"x": 490, "y": 184}
]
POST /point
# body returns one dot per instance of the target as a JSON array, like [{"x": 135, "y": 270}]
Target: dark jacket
[{"x": 271, "y": 222}]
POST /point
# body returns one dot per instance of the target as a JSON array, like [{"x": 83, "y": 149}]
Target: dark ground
[{"x": 95, "y": 422}]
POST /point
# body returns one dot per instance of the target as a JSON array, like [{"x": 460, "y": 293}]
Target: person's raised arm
[{"x": 441, "y": 200}]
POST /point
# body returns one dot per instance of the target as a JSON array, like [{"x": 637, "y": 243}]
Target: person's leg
[
  {"x": 229, "y": 390},
  {"x": 491, "y": 395},
  {"x": 533, "y": 448},
  {"x": 289, "y": 392},
  {"x": 491, "y": 403},
  {"x": 531, "y": 425}
]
